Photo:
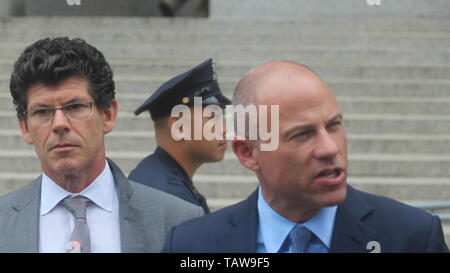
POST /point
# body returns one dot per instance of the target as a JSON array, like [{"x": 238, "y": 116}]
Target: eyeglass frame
[{"x": 62, "y": 108}]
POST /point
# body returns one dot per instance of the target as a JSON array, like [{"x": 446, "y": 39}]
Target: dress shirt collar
[
  {"x": 274, "y": 228},
  {"x": 100, "y": 191}
]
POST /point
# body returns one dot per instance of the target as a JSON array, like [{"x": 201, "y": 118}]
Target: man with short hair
[
  {"x": 179, "y": 154},
  {"x": 64, "y": 94},
  {"x": 303, "y": 202}
]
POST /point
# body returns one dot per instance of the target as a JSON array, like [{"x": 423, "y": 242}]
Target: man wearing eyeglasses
[{"x": 63, "y": 90}]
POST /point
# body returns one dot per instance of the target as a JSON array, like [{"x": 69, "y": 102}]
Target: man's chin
[
  {"x": 66, "y": 166},
  {"x": 335, "y": 197},
  {"x": 217, "y": 157}
]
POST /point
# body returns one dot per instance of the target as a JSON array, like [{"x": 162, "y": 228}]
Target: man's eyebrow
[
  {"x": 336, "y": 117},
  {"x": 39, "y": 105},
  {"x": 75, "y": 100},
  {"x": 300, "y": 127},
  {"x": 306, "y": 126},
  {"x": 44, "y": 105}
]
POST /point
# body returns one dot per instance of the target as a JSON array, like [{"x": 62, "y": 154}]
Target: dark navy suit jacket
[
  {"x": 360, "y": 219},
  {"x": 159, "y": 170}
]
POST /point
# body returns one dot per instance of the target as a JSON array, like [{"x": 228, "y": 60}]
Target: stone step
[
  {"x": 395, "y": 105},
  {"x": 138, "y": 141},
  {"x": 446, "y": 229},
  {"x": 398, "y": 165},
  {"x": 235, "y": 10},
  {"x": 168, "y": 70},
  {"x": 326, "y": 71},
  {"x": 142, "y": 87},
  {"x": 213, "y": 37},
  {"x": 263, "y": 53},
  {"x": 326, "y": 24},
  {"x": 341, "y": 87}
]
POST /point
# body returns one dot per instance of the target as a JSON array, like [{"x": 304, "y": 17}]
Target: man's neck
[
  {"x": 188, "y": 165},
  {"x": 294, "y": 212}
]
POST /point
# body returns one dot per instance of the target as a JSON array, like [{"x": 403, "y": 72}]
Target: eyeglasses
[{"x": 74, "y": 111}]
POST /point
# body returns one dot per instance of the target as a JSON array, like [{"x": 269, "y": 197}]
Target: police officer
[{"x": 171, "y": 167}]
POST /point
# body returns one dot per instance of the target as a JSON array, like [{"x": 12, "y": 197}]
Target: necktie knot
[
  {"x": 300, "y": 237},
  {"x": 77, "y": 206}
]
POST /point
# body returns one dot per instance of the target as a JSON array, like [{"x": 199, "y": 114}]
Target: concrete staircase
[{"x": 391, "y": 77}]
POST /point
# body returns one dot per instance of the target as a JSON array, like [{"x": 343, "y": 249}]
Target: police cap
[{"x": 199, "y": 81}]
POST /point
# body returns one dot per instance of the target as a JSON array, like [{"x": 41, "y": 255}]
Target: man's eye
[
  {"x": 334, "y": 124},
  {"x": 301, "y": 135},
  {"x": 41, "y": 112},
  {"x": 75, "y": 106}
]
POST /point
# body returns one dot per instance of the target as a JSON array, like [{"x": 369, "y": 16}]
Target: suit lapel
[
  {"x": 350, "y": 233},
  {"x": 131, "y": 229},
  {"x": 25, "y": 237},
  {"x": 240, "y": 234},
  {"x": 131, "y": 225}
]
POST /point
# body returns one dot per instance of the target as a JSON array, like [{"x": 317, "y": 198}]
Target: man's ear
[
  {"x": 110, "y": 117},
  {"x": 246, "y": 152},
  {"x": 179, "y": 128},
  {"x": 25, "y": 132}
]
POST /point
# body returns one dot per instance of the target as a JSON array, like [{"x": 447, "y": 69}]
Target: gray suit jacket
[{"x": 146, "y": 215}]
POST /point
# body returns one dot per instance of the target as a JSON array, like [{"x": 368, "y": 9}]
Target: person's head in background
[{"x": 180, "y": 141}]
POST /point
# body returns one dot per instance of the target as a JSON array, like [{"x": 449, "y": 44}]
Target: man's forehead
[
  {"x": 308, "y": 107},
  {"x": 52, "y": 96}
]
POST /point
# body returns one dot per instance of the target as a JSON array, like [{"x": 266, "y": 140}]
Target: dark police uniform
[{"x": 160, "y": 170}]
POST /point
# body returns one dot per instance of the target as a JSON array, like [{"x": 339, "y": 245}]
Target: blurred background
[{"x": 388, "y": 62}]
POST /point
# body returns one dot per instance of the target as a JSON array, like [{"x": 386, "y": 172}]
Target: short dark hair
[{"x": 52, "y": 61}]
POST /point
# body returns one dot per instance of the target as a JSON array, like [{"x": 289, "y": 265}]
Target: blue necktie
[{"x": 299, "y": 237}]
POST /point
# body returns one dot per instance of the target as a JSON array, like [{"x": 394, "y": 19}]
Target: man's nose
[
  {"x": 60, "y": 121},
  {"x": 327, "y": 147}
]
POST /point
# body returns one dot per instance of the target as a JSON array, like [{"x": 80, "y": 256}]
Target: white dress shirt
[{"x": 56, "y": 223}]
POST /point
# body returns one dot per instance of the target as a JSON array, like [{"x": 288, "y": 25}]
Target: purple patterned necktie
[
  {"x": 299, "y": 237},
  {"x": 79, "y": 240}
]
